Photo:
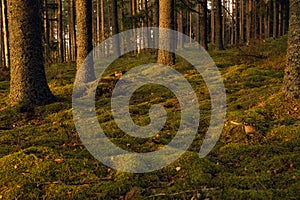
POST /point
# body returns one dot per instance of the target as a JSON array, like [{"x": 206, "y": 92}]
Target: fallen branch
[{"x": 251, "y": 55}]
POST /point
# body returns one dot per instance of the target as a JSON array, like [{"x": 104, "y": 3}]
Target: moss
[{"x": 41, "y": 155}]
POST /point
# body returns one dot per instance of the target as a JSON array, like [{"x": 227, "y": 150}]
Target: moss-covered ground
[{"x": 42, "y": 157}]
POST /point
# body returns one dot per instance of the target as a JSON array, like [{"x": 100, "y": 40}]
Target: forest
[{"x": 150, "y": 99}]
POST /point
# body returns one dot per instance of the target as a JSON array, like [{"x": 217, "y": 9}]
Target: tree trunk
[
  {"x": 166, "y": 10},
  {"x": 212, "y": 22},
  {"x": 292, "y": 72},
  {"x": 249, "y": 21},
  {"x": 60, "y": 32},
  {"x": 203, "y": 25},
  {"x": 219, "y": 28},
  {"x": 115, "y": 26},
  {"x": 237, "y": 21},
  {"x": 84, "y": 39},
  {"x": 5, "y": 34},
  {"x": 275, "y": 19},
  {"x": 242, "y": 21},
  {"x": 28, "y": 81},
  {"x": 180, "y": 43}
]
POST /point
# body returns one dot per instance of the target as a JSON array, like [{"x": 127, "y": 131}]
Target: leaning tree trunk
[
  {"x": 28, "y": 81},
  {"x": 166, "y": 20},
  {"x": 84, "y": 40},
  {"x": 292, "y": 72}
]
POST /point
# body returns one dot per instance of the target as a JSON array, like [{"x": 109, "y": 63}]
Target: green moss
[{"x": 42, "y": 157}]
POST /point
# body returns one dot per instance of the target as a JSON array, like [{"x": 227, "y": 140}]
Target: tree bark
[
  {"x": 60, "y": 32},
  {"x": 242, "y": 21},
  {"x": 212, "y": 22},
  {"x": 166, "y": 10},
  {"x": 292, "y": 71},
  {"x": 219, "y": 27},
  {"x": 5, "y": 34},
  {"x": 180, "y": 43},
  {"x": 203, "y": 25},
  {"x": 84, "y": 40},
  {"x": 28, "y": 81},
  {"x": 115, "y": 26}
]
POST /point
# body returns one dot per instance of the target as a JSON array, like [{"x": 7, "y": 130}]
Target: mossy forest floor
[{"x": 42, "y": 157}]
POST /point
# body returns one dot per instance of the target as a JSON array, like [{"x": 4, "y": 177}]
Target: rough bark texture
[
  {"x": 219, "y": 28},
  {"x": 166, "y": 20},
  {"x": 84, "y": 40},
  {"x": 292, "y": 72},
  {"x": 28, "y": 81}
]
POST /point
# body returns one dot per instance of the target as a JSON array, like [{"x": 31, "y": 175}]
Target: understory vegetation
[{"x": 42, "y": 157}]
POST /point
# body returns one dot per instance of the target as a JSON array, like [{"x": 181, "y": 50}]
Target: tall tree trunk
[
  {"x": 60, "y": 32},
  {"x": 84, "y": 39},
  {"x": 242, "y": 21},
  {"x": 198, "y": 23},
  {"x": 212, "y": 22},
  {"x": 292, "y": 72},
  {"x": 166, "y": 10},
  {"x": 98, "y": 17},
  {"x": 5, "y": 34},
  {"x": 102, "y": 21},
  {"x": 266, "y": 27},
  {"x": 249, "y": 21},
  {"x": 74, "y": 38},
  {"x": 237, "y": 21},
  {"x": 275, "y": 18},
  {"x": 2, "y": 65},
  {"x": 180, "y": 43},
  {"x": 115, "y": 26},
  {"x": 28, "y": 81},
  {"x": 203, "y": 25},
  {"x": 219, "y": 27}
]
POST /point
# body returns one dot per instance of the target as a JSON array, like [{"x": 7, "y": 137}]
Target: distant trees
[
  {"x": 219, "y": 22},
  {"x": 28, "y": 81},
  {"x": 292, "y": 72}
]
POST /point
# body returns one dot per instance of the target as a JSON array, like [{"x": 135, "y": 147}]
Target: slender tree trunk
[
  {"x": 74, "y": 38},
  {"x": 98, "y": 5},
  {"x": 249, "y": 22},
  {"x": 60, "y": 32},
  {"x": 5, "y": 34},
  {"x": 180, "y": 43},
  {"x": 242, "y": 21},
  {"x": 28, "y": 81},
  {"x": 204, "y": 25},
  {"x": 102, "y": 21},
  {"x": 198, "y": 23},
  {"x": 292, "y": 72},
  {"x": 2, "y": 65},
  {"x": 219, "y": 28},
  {"x": 166, "y": 10},
  {"x": 115, "y": 26},
  {"x": 213, "y": 21},
  {"x": 84, "y": 40},
  {"x": 275, "y": 18},
  {"x": 237, "y": 21}
]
